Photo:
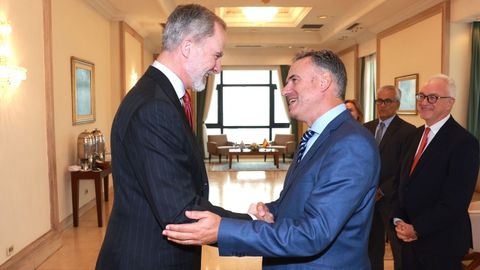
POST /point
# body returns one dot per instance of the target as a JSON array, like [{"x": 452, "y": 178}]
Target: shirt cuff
[{"x": 396, "y": 220}]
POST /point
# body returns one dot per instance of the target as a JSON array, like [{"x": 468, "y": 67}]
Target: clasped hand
[
  {"x": 205, "y": 230},
  {"x": 405, "y": 231}
]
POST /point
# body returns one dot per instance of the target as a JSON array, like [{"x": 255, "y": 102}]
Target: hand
[
  {"x": 405, "y": 231},
  {"x": 202, "y": 232},
  {"x": 261, "y": 212}
]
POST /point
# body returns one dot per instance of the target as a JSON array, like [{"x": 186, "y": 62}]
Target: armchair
[
  {"x": 218, "y": 145},
  {"x": 285, "y": 144}
]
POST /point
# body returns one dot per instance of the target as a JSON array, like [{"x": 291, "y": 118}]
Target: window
[{"x": 247, "y": 106}]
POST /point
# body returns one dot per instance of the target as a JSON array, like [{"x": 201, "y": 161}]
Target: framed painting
[
  {"x": 408, "y": 86},
  {"x": 83, "y": 91}
]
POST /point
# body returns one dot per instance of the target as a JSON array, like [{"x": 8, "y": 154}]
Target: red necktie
[
  {"x": 423, "y": 144},
  {"x": 187, "y": 107}
]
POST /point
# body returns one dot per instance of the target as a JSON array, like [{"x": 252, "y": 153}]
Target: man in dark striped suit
[{"x": 157, "y": 167}]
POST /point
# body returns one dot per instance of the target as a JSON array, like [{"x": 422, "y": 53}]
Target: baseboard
[
  {"x": 33, "y": 255},
  {"x": 68, "y": 221},
  {"x": 36, "y": 253}
]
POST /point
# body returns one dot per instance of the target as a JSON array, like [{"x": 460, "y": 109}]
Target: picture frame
[
  {"x": 83, "y": 91},
  {"x": 408, "y": 85}
]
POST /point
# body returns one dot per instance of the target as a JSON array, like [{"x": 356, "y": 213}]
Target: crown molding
[{"x": 106, "y": 9}]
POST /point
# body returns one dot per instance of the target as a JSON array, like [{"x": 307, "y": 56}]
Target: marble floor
[{"x": 232, "y": 190}]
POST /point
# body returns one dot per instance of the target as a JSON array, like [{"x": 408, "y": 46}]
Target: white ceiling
[{"x": 373, "y": 16}]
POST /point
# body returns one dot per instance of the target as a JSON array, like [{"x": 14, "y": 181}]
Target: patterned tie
[
  {"x": 423, "y": 144},
  {"x": 303, "y": 144},
  {"x": 379, "y": 133},
  {"x": 187, "y": 108}
]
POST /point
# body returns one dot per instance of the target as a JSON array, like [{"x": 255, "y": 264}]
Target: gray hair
[
  {"x": 452, "y": 88},
  {"x": 398, "y": 93},
  {"x": 330, "y": 61},
  {"x": 189, "y": 20}
]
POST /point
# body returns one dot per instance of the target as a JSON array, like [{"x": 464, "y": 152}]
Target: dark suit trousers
[
  {"x": 411, "y": 260},
  {"x": 381, "y": 227}
]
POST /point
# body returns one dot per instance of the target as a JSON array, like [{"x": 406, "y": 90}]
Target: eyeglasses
[
  {"x": 387, "y": 101},
  {"x": 432, "y": 99}
]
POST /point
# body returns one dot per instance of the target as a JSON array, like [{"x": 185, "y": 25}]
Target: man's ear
[
  {"x": 325, "y": 81},
  {"x": 186, "y": 47}
]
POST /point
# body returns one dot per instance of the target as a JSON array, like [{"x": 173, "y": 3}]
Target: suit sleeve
[
  {"x": 159, "y": 146},
  {"x": 457, "y": 189},
  {"x": 344, "y": 182}
]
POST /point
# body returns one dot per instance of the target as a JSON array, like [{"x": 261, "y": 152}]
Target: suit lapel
[
  {"x": 297, "y": 168},
  {"x": 392, "y": 128},
  {"x": 433, "y": 147},
  {"x": 167, "y": 88}
]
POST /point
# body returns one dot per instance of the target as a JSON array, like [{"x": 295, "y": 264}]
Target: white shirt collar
[
  {"x": 172, "y": 77},
  {"x": 436, "y": 127},
  {"x": 321, "y": 123},
  {"x": 387, "y": 121}
]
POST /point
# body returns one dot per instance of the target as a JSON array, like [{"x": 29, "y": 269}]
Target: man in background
[
  {"x": 437, "y": 181},
  {"x": 323, "y": 214},
  {"x": 391, "y": 134},
  {"x": 157, "y": 166}
]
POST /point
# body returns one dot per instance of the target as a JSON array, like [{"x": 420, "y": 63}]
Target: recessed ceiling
[
  {"x": 285, "y": 17},
  {"x": 284, "y": 31}
]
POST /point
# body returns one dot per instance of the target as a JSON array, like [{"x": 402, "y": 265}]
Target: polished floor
[{"x": 232, "y": 190}]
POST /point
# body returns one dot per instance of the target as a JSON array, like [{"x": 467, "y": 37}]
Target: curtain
[
  {"x": 473, "y": 119},
  {"x": 203, "y": 104},
  {"x": 369, "y": 77},
  {"x": 361, "y": 93},
  {"x": 293, "y": 123}
]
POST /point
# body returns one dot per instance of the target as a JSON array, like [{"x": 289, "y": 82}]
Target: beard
[
  {"x": 199, "y": 80},
  {"x": 198, "y": 84}
]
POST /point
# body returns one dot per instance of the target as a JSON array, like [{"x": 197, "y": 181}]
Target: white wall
[
  {"x": 24, "y": 187},
  {"x": 78, "y": 31}
]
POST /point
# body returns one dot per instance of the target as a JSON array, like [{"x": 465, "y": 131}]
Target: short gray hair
[
  {"x": 452, "y": 88},
  {"x": 398, "y": 93},
  {"x": 330, "y": 61},
  {"x": 189, "y": 20}
]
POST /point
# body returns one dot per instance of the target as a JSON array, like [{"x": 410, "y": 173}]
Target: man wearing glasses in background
[
  {"x": 437, "y": 180},
  {"x": 391, "y": 133}
]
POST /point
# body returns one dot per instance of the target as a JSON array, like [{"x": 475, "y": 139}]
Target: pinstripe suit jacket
[{"x": 158, "y": 173}]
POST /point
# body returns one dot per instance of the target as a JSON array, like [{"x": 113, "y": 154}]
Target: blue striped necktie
[{"x": 303, "y": 144}]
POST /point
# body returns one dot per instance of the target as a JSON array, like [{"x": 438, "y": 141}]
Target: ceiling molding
[
  {"x": 350, "y": 18},
  {"x": 106, "y": 9}
]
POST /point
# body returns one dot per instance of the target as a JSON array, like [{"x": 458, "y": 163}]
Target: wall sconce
[{"x": 10, "y": 76}]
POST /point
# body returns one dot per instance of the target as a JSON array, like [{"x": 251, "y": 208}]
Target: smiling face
[
  {"x": 303, "y": 90},
  {"x": 432, "y": 113},
  {"x": 204, "y": 58}
]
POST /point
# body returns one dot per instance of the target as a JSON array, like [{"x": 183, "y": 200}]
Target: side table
[{"x": 97, "y": 177}]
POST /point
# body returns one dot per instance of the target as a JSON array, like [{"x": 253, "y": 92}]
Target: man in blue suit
[{"x": 323, "y": 215}]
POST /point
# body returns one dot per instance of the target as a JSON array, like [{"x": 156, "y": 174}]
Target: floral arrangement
[{"x": 254, "y": 147}]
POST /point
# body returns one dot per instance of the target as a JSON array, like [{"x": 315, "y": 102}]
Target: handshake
[
  {"x": 205, "y": 230},
  {"x": 261, "y": 212}
]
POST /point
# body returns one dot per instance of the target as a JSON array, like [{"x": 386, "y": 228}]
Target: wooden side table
[{"x": 97, "y": 177}]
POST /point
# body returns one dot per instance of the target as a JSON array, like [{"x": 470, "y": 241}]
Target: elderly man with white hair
[{"x": 437, "y": 180}]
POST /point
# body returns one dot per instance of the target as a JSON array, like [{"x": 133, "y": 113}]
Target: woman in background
[{"x": 354, "y": 108}]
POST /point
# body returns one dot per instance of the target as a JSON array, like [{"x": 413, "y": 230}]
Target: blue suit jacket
[{"x": 323, "y": 215}]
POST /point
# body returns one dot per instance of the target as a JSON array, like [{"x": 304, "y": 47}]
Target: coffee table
[{"x": 247, "y": 152}]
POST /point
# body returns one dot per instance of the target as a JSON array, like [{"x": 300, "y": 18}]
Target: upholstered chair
[
  {"x": 285, "y": 144},
  {"x": 218, "y": 145}
]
